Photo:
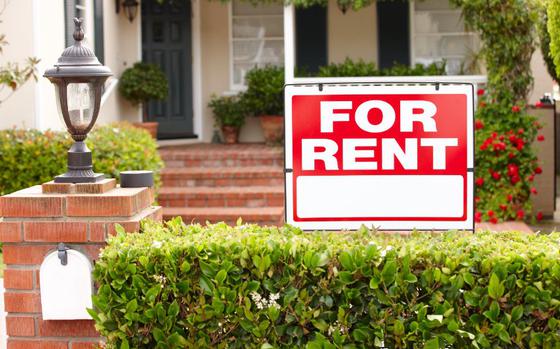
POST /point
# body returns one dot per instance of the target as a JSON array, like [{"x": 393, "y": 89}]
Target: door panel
[{"x": 166, "y": 41}]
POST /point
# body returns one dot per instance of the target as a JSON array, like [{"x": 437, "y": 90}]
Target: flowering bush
[
  {"x": 506, "y": 164},
  {"x": 179, "y": 286}
]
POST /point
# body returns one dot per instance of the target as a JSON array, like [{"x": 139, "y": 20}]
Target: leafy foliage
[
  {"x": 553, "y": 12},
  {"x": 31, "y": 157},
  {"x": 229, "y": 110},
  {"x": 265, "y": 91},
  {"x": 362, "y": 68},
  {"x": 179, "y": 286},
  {"x": 506, "y": 162},
  {"x": 544, "y": 39},
  {"x": 143, "y": 82},
  {"x": 507, "y": 31}
]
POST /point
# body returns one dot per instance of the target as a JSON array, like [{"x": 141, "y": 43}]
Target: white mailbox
[{"x": 66, "y": 285}]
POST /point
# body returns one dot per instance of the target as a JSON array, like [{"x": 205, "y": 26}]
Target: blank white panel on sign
[{"x": 380, "y": 196}]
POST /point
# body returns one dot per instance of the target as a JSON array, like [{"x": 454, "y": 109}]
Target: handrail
[{"x": 108, "y": 90}]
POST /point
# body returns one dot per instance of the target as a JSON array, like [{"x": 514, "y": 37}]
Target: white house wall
[
  {"x": 122, "y": 41},
  {"x": 19, "y": 109},
  {"x": 353, "y": 34}
]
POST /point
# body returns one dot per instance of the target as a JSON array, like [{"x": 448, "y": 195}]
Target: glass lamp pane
[{"x": 81, "y": 101}]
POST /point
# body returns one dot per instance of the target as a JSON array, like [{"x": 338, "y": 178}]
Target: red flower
[
  {"x": 538, "y": 104},
  {"x": 538, "y": 170},
  {"x": 531, "y": 178},
  {"x": 480, "y": 91},
  {"x": 520, "y": 131},
  {"x": 539, "y": 216},
  {"x": 515, "y": 179},
  {"x": 515, "y": 109},
  {"x": 502, "y": 137},
  {"x": 494, "y": 135},
  {"x": 520, "y": 214},
  {"x": 503, "y": 207},
  {"x": 509, "y": 197},
  {"x": 540, "y": 138},
  {"x": 476, "y": 199},
  {"x": 477, "y": 217},
  {"x": 479, "y": 182},
  {"x": 511, "y": 155},
  {"x": 484, "y": 146},
  {"x": 499, "y": 146},
  {"x": 493, "y": 220},
  {"x": 512, "y": 170},
  {"x": 520, "y": 144},
  {"x": 512, "y": 139},
  {"x": 482, "y": 104},
  {"x": 496, "y": 175},
  {"x": 478, "y": 124},
  {"x": 490, "y": 213},
  {"x": 534, "y": 190}
]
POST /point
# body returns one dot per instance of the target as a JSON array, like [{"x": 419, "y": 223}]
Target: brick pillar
[{"x": 32, "y": 222}]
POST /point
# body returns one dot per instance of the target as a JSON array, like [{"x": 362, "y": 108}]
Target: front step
[
  {"x": 253, "y": 196},
  {"x": 223, "y": 176},
  {"x": 258, "y": 215},
  {"x": 212, "y": 155}
]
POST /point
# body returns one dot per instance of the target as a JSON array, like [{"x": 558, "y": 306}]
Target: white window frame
[
  {"x": 412, "y": 34},
  {"x": 242, "y": 87}
]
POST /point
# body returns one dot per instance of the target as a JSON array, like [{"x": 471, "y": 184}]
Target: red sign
[{"x": 395, "y": 157}]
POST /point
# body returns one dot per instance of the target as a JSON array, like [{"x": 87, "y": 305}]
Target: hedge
[
  {"x": 31, "y": 157},
  {"x": 192, "y": 286}
]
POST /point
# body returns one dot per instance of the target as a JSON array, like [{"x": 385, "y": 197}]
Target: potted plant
[
  {"x": 265, "y": 98},
  {"x": 141, "y": 83},
  {"x": 229, "y": 115}
]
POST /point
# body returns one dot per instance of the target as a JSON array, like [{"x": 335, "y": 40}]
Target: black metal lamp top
[
  {"x": 78, "y": 60},
  {"x": 79, "y": 78}
]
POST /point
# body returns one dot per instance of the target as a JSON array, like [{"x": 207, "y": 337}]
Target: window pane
[
  {"x": 257, "y": 38},
  {"x": 438, "y": 22}
]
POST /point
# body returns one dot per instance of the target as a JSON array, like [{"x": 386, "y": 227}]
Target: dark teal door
[{"x": 166, "y": 41}]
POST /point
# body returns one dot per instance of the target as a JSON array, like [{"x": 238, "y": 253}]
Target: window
[
  {"x": 92, "y": 13},
  {"x": 257, "y": 38},
  {"x": 439, "y": 33}
]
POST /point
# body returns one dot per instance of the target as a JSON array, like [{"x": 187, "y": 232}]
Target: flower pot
[
  {"x": 273, "y": 128},
  {"x": 151, "y": 127},
  {"x": 231, "y": 134}
]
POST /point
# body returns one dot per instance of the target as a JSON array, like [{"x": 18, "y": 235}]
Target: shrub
[
  {"x": 553, "y": 24},
  {"x": 142, "y": 83},
  {"x": 31, "y": 157},
  {"x": 506, "y": 164},
  {"x": 229, "y": 110},
  {"x": 265, "y": 91},
  {"x": 178, "y": 286},
  {"x": 362, "y": 68}
]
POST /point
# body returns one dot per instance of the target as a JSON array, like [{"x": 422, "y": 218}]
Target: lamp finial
[{"x": 78, "y": 31}]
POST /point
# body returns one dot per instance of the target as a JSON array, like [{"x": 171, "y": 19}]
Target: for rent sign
[{"x": 396, "y": 157}]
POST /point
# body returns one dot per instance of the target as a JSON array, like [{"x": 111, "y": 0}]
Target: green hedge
[
  {"x": 179, "y": 286},
  {"x": 30, "y": 157}
]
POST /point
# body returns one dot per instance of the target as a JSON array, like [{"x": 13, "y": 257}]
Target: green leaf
[
  {"x": 432, "y": 344},
  {"x": 221, "y": 276},
  {"x": 495, "y": 287},
  {"x": 124, "y": 344},
  {"x": 516, "y": 313},
  {"x": 388, "y": 274},
  {"x": 346, "y": 261},
  {"x": 173, "y": 309}
]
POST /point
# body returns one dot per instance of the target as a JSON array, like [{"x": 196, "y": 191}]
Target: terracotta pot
[
  {"x": 231, "y": 134},
  {"x": 273, "y": 128},
  {"x": 151, "y": 127}
]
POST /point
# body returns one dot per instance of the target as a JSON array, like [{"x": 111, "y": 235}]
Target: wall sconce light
[{"x": 130, "y": 8}]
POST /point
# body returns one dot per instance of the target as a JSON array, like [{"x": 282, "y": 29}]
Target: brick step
[
  {"x": 254, "y": 196},
  {"x": 260, "y": 215},
  {"x": 223, "y": 176},
  {"x": 212, "y": 155}
]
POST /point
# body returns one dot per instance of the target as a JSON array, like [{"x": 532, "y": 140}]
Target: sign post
[{"x": 390, "y": 156}]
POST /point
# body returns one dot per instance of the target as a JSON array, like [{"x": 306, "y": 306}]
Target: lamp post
[{"x": 78, "y": 77}]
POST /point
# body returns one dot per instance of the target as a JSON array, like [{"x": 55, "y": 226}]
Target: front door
[{"x": 166, "y": 41}]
